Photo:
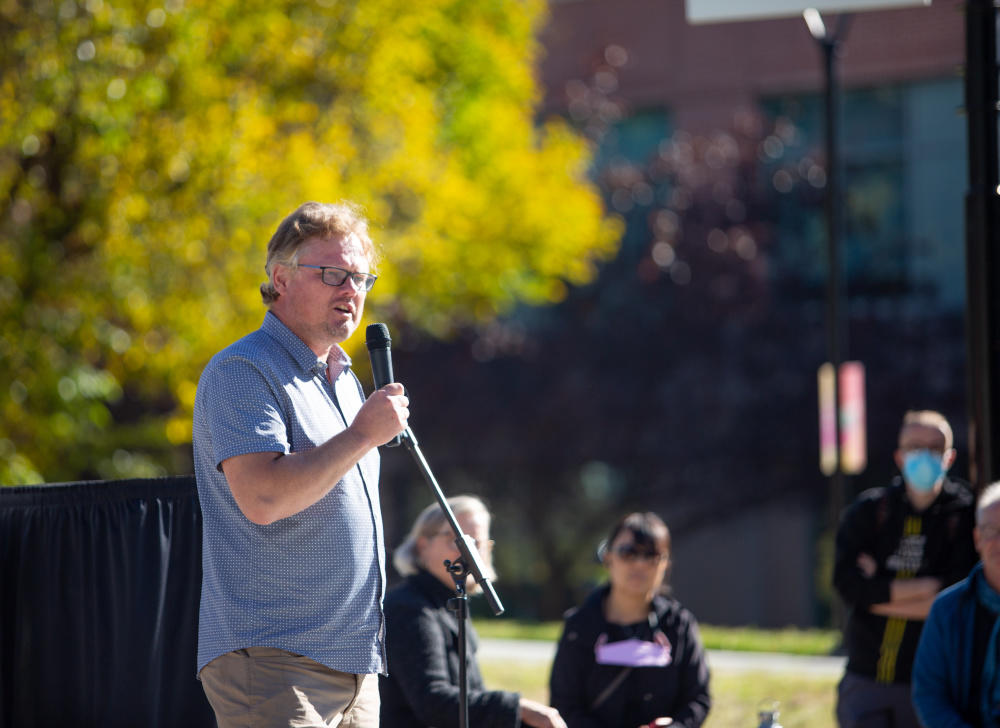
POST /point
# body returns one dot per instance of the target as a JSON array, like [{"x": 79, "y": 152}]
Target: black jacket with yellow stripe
[{"x": 905, "y": 543}]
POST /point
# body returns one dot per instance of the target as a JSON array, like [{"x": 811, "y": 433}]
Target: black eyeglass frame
[
  {"x": 630, "y": 553},
  {"x": 360, "y": 281}
]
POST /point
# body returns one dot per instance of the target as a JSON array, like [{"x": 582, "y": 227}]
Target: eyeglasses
[
  {"x": 451, "y": 535},
  {"x": 629, "y": 552},
  {"x": 334, "y": 276}
]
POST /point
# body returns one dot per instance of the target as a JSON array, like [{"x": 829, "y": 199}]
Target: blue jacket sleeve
[{"x": 934, "y": 682}]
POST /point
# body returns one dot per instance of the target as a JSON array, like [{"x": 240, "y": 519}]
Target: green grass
[
  {"x": 789, "y": 640},
  {"x": 512, "y": 629},
  {"x": 744, "y": 639},
  {"x": 803, "y": 701}
]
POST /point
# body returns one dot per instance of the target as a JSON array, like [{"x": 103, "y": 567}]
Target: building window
[{"x": 903, "y": 165}]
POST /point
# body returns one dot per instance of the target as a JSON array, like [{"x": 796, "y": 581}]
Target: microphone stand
[
  {"x": 468, "y": 563},
  {"x": 460, "y": 605}
]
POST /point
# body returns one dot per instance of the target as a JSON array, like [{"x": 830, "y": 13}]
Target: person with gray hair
[
  {"x": 291, "y": 628},
  {"x": 956, "y": 675},
  {"x": 407, "y": 559},
  {"x": 422, "y": 687}
]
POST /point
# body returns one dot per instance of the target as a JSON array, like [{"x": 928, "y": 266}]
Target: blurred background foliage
[{"x": 148, "y": 150}]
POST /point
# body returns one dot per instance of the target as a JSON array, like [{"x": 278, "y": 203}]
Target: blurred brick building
[
  {"x": 702, "y": 73},
  {"x": 671, "y": 106}
]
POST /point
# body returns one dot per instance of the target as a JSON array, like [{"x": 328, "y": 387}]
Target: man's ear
[
  {"x": 949, "y": 458},
  {"x": 898, "y": 457},
  {"x": 280, "y": 276}
]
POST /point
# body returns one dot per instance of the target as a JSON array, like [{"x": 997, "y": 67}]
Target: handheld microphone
[{"x": 379, "y": 345}]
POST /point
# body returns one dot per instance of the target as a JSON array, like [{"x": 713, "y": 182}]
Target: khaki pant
[{"x": 263, "y": 687}]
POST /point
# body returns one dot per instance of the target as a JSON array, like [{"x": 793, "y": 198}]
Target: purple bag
[{"x": 634, "y": 652}]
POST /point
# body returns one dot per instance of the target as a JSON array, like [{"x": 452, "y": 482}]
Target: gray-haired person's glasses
[{"x": 334, "y": 276}]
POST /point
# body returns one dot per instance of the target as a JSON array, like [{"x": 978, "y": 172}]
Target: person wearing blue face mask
[{"x": 896, "y": 548}]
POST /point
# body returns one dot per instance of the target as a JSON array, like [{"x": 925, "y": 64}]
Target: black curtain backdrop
[{"x": 99, "y": 590}]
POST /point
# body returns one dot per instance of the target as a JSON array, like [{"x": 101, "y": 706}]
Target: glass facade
[{"x": 904, "y": 172}]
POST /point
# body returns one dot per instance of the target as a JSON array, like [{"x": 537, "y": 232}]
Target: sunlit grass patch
[{"x": 790, "y": 640}]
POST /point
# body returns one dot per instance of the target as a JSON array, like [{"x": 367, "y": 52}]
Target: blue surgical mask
[{"x": 922, "y": 469}]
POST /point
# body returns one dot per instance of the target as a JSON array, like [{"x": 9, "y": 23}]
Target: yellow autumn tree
[{"x": 149, "y": 148}]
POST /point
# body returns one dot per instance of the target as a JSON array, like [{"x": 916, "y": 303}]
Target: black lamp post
[
  {"x": 982, "y": 217},
  {"x": 828, "y": 44}
]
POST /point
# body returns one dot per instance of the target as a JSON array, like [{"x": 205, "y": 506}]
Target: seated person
[
  {"x": 422, "y": 688},
  {"x": 956, "y": 673},
  {"x": 630, "y": 656}
]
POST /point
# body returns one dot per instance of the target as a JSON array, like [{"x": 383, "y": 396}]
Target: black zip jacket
[
  {"x": 905, "y": 544},
  {"x": 678, "y": 690},
  {"x": 422, "y": 687}
]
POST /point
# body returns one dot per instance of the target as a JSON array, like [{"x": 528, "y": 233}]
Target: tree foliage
[{"x": 149, "y": 147}]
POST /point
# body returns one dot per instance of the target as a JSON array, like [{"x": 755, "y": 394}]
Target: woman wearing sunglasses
[{"x": 630, "y": 656}]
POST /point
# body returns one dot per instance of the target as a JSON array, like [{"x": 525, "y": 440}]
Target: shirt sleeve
[
  {"x": 568, "y": 680},
  {"x": 856, "y": 531},
  {"x": 962, "y": 549},
  {"x": 245, "y": 414},
  {"x": 693, "y": 692}
]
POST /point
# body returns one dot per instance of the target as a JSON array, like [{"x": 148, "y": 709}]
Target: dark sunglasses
[{"x": 629, "y": 552}]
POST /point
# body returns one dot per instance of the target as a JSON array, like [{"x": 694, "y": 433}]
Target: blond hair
[
  {"x": 430, "y": 521},
  {"x": 314, "y": 220},
  {"x": 929, "y": 418}
]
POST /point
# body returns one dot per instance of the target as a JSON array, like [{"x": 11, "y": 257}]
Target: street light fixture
[{"x": 815, "y": 22}]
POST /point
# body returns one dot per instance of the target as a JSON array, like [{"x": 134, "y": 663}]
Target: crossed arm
[{"x": 908, "y": 598}]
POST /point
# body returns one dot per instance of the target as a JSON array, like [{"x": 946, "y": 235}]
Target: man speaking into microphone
[{"x": 291, "y": 630}]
